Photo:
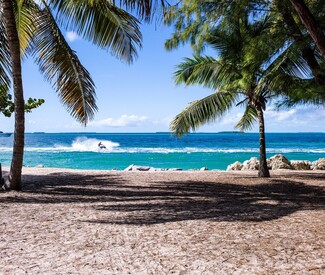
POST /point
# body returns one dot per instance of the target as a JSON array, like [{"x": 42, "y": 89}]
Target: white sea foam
[
  {"x": 84, "y": 144},
  {"x": 113, "y": 147},
  {"x": 80, "y": 144}
]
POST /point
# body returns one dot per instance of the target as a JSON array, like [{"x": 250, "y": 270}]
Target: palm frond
[
  {"x": 26, "y": 12},
  {"x": 227, "y": 43},
  {"x": 206, "y": 71},
  {"x": 5, "y": 65},
  {"x": 61, "y": 66},
  {"x": 145, "y": 9},
  {"x": 248, "y": 119},
  {"x": 306, "y": 92},
  {"x": 290, "y": 62},
  {"x": 102, "y": 23},
  {"x": 202, "y": 111}
]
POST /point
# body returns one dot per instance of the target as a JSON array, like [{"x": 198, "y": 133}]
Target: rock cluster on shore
[
  {"x": 133, "y": 167},
  {"x": 278, "y": 162}
]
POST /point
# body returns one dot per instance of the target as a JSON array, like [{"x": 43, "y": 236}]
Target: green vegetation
[
  {"x": 257, "y": 60},
  {"x": 7, "y": 106},
  {"x": 33, "y": 29}
]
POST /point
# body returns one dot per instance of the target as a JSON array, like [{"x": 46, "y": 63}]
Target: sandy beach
[{"x": 187, "y": 222}]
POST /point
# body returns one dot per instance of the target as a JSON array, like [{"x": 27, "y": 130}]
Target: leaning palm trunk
[
  {"x": 14, "y": 180},
  {"x": 264, "y": 170},
  {"x": 311, "y": 24}
]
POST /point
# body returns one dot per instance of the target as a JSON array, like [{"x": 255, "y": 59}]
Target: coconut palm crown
[{"x": 249, "y": 71}]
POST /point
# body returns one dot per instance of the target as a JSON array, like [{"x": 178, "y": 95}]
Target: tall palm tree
[
  {"x": 249, "y": 71},
  {"x": 35, "y": 29}
]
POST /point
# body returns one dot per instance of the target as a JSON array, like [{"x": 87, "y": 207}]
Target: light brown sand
[{"x": 204, "y": 222}]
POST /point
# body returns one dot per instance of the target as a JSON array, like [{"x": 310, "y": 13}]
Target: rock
[
  {"x": 251, "y": 164},
  {"x": 141, "y": 168},
  {"x": 301, "y": 164},
  {"x": 152, "y": 169},
  {"x": 236, "y": 166},
  {"x": 133, "y": 167},
  {"x": 319, "y": 164},
  {"x": 279, "y": 162},
  {"x": 204, "y": 169}
]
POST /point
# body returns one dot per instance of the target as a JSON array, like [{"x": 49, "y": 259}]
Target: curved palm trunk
[
  {"x": 306, "y": 50},
  {"x": 311, "y": 24},
  {"x": 264, "y": 170},
  {"x": 14, "y": 180}
]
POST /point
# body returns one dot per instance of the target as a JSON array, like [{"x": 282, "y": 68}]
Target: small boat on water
[{"x": 2, "y": 134}]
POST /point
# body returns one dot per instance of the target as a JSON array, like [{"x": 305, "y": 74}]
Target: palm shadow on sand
[{"x": 161, "y": 202}]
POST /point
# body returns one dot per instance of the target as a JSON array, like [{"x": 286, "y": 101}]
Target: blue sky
[{"x": 141, "y": 97}]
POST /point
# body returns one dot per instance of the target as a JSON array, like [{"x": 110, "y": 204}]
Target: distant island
[{"x": 231, "y": 132}]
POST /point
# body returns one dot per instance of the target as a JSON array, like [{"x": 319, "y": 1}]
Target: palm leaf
[
  {"x": 206, "y": 71},
  {"x": 290, "y": 62},
  {"x": 145, "y": 9},
  {"x": 5, "y": 65},
  {"x": 102, "y": 23},
  {"x": 248, "y": 119},
  {"x": 306, "y": 92},
  {"x": 202, "y": 111},
  {"x": 25, "y": 11},
  {"x": 61, "y": 66}
]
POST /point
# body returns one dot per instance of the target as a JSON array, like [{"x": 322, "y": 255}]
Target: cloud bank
[{"x": 122, "y": 121}]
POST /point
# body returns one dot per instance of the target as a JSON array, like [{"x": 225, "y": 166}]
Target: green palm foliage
[
  {"x": 4, "y": 60},
  {"x": 249, "y": 71},
  {"x": 30, "y": 28},
  {"x": 193, "y": 21}
]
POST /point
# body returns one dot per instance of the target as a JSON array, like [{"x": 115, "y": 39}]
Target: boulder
[
  {"x": 141, "y": 168},
  {"x": 279, "y": 162},
  {"x": 152, "y": 169},
  {"x": 319, "y": 164},
  {"x": 251, "y": 164},
  {"x": 301, "y": 164},
  {"x": 236, "y": 166},
  {"x": 204, "y": 169}
]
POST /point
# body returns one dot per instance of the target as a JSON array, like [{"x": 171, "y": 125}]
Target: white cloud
[
  {"x": 231, "y": 119},
  {"x": 280, "y": 115},
  {"x": 122, "y": 121},
  {"x": 72, "y": 36}
]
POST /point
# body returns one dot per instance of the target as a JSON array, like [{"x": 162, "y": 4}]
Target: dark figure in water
[{"x": 101, "y": 146}]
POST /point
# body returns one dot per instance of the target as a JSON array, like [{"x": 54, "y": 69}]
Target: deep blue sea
[{"x": 159, "y": 150}]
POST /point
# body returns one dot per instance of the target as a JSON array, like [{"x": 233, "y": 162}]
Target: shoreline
[
  {"x": 274, "y": 163},
  {"x": 44, "y": 170}
]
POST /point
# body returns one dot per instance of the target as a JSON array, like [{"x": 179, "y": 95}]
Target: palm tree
[
  {"x": 34, "y": 29},
  {"x": 249, "y": 71}
]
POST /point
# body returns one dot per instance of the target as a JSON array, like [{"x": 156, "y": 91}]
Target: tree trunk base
[{"x": 264, "y": 174}]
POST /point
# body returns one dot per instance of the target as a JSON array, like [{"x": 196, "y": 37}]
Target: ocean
[{"x": 159, "y": 150}]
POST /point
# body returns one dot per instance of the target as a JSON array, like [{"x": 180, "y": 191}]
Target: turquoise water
[{"x": 160, "y": 150}]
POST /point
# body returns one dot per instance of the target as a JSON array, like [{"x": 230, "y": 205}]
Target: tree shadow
[
  {"x": 219, "y": 202},
  {"x": 160, "y": 202}
]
